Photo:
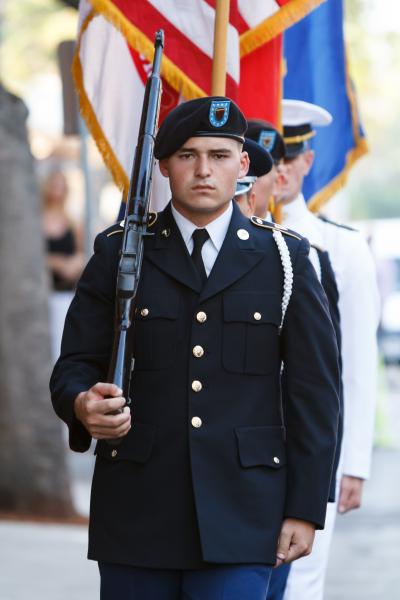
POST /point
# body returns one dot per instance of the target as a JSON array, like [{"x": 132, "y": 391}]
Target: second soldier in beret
[
  {"x": 260, "y": 165},
  {"x": 211, "y": 485}
]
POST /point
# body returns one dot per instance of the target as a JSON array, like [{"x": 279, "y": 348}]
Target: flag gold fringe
[
  {"x": 142, "y": 44},
  {"x": 320, "y": 198},
  {"x": 275, "y": 24},
  {"x": 89, "y": 115}
]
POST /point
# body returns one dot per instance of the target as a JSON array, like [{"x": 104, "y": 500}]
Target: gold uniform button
[
  {"x": 144, "y": 312},
  {"x": 198, "y": 351},
  {"x": 114, "y": 453},
  {"x": 196, "y": 386},
  {"x": 197, "y": 422},
  {"x": 201, "y": 317},
  {"x": 276, "y": 460},
  {"x": 257, "y": 316}
]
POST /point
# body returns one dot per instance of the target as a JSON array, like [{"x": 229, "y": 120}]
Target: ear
[
  {"x": 163, "y": 165},
  {"x": 251, "y": 201},
  {"x": 309, "y": 160},
  {"x": 244, "y": 165}
]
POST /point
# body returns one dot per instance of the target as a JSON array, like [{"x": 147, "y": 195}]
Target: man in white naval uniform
[{"x": 359, "y": 314}]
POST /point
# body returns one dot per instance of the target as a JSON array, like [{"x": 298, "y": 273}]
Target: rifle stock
[{"x": 135, "y": 229}]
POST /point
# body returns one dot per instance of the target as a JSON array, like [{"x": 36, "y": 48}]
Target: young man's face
[
  {"x": 203, "y": 174},
  {"x": 291, "y": 176}
]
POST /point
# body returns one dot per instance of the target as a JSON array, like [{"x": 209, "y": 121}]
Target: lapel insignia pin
[
  {"x": 166, "y": 233},
  {"x": 219, "y": 112},
  {"x": 243, "y": 234}
]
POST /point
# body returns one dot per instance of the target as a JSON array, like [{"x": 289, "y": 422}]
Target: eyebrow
[{"x": 219, "y": 150}]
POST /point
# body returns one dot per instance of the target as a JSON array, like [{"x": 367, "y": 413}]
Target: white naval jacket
[{"x": 355, "y": 274}]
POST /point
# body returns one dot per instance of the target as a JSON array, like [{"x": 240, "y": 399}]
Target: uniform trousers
[
  {"x": 238, "y": 582},
  {"x": 304, "y": 578}
]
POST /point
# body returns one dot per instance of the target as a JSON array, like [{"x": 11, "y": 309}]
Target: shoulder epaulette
[
  {"x": 110, "y": 233},
  {"x": 151, "y": 220},
  {"x": 341, "y": 225},
  {"x": 318, "y": 248},
  {"x": 274, "y": 227},
  {"x": 153, "y": 216}
]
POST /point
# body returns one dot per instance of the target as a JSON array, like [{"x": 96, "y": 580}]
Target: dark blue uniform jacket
[{"x": 178, "y": 496}]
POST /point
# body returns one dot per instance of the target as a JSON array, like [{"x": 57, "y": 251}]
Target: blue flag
[{"x": 317, "y": 72}]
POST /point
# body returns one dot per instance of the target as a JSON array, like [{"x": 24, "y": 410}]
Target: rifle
[{"x": 135, "y": 230}]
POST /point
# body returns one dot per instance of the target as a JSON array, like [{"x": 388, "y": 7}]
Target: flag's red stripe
[
  {"x": 179, "y": 49},
  {"x": 259, "y": 90}
]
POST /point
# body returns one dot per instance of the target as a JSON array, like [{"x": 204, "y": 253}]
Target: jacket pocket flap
[
  {"x": 136, "y": 446},
  {"x": 261, "y": 446},
  {"x": 157, "y": 304},
  {"x": 252, "y": 308}
]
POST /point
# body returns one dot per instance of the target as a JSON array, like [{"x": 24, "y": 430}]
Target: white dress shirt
[
  {"x": 217, "y": 230},
  {"x": 359, "y": 313}
]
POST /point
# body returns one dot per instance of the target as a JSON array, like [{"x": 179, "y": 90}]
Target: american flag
[{"x": 115, "y": 49}]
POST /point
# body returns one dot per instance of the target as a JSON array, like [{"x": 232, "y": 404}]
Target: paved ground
[
  {"x": 365, "y": 557},
  {"x": 47, "y": 562}
]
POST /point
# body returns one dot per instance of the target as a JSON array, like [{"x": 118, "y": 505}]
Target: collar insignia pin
[{"x": 166, "y": 233}]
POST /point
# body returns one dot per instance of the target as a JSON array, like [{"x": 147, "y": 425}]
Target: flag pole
[{"x": 218, "y": 82}]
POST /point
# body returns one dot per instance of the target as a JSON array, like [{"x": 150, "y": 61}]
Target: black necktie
[{"x": 200, "y": 236}]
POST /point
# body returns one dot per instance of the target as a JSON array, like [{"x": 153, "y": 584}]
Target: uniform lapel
[
  {"x": 167, "y": 251},
  {"x": 236, "y": 257}
]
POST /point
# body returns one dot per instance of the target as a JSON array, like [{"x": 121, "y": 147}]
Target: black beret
[
  {"x": 268, "y": 137},
  {"x": 260, "y": 159},
  {"x": 212, "y": 116},
  {"x": 260, "y": 164}
]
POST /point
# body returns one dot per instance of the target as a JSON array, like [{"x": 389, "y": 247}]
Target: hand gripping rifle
[{"x": 135, "y": 229}]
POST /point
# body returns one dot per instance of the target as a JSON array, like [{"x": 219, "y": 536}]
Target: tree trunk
[{"x": 33, "y": 471}]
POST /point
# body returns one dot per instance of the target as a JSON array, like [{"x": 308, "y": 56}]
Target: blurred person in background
[
  {"x": 64, "y": 247},
  {"x": 358, "y": 303},
  {"x": 261, "y": 164},
  {"x": 265, "y": 188}
]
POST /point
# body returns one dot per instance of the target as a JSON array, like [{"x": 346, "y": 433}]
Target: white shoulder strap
[{"x": 287, "y": 272}]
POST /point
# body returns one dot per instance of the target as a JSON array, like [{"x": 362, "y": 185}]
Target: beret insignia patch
[
  {"x": 267, "y": 139},
  {"x": 219, "y": 112}
]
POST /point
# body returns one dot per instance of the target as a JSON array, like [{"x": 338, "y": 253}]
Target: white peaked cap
[{"x": 298, "y": 112}]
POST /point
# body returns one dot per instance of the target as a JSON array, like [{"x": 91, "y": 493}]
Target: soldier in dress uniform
[
  {"x": 261, "y": 164},
  {"x": 269, "y": 138},
  {"x": 208, "y": 489},
  {"x": 260, "y": 196},
  {"x": 359, "y": 314}
]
